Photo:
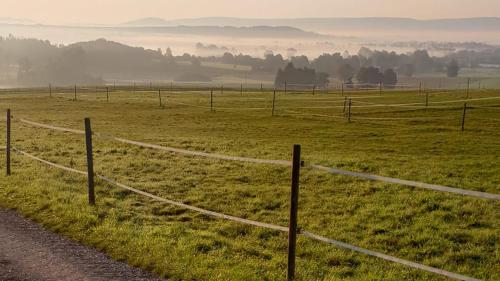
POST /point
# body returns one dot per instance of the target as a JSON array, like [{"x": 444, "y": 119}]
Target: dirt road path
[{"x": 30, "y": 253}]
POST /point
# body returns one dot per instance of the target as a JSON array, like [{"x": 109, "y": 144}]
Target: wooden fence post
[
  {"x": 50, "y": 90},
  {"x": 75, "y": 94},
  {"x": 241, "y": 89},
  {"x": 345, "y": 104},
  {"x": 463, "y": 116},
  {"x": 107, "y": 94},
  {"x": 294, "y": 204},
  {"x": 285, "y": 87},
  {"x": 274, "y": 100},
  {"x": 314, "y": 89},
  {"x": 380, "y": 87},
  {"x": 426, "y": 99},
  {"x": 159, "y": 96},
  {"x": 7, "y": 147},
  {"x": 349, "y": 114},
  {"x": 343, "y": 90},
  {"x": 90, "y": 161},
  {"x": 211, "y": 100}
]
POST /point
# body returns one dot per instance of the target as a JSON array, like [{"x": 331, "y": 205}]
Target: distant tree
[
  {"x": 322, "y": 79},
  {"x": 299, "y": 76},
  {"x": 423, "y": 62},
  {"x": 168, "y": 52},
  {"x": 227, "y": 58},
  {"x": 345, "y": 72},
  {"x": 390, "y": 77},
  {"x": 328, "y": 63},
  {"x": 300, "y": 61},
  {"x": 452, "y": 68},
  {"x": 369, "y": 75},
  {"x": 407, "y": 69},
  {"x": 365, "y": 52}
]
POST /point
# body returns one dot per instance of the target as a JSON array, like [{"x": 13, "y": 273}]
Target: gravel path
[{"x": 30, "y": 253}]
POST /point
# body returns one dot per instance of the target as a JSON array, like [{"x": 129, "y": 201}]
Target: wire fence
[
  {"x": 336, "y": 87},
  {"x": 353, "y": 108},
  {"x": 267, "y": 225},
  {"x": 90, "y": 173}
]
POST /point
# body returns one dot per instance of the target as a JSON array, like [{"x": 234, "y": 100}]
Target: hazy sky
[{"x": 117, "y": 11}]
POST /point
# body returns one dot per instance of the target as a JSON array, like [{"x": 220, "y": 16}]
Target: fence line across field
[
  {"x": 355, "y": 117},
  {"x": 448, "y": 189},
  {"x": 264, "y": 225}
]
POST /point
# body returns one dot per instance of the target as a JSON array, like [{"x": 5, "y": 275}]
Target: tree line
[{"x": 38, "y": 62}]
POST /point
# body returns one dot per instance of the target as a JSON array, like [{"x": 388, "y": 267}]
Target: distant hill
[
  {"x": 220, "y": 31},
  {"x": 229, "y": 31},
  {"x": 148, "y": 22},
  {"x": 322, "y": 24},
  {"x": 15, "y": 21}
]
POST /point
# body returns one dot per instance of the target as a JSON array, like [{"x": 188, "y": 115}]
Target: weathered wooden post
[
  {"x": 294, "y": 205},
  {"x": 107, "y": 94},
  {"x": 314, "y": 90},
  {"x": 90, "y": 162},
  {"x": 211, "y": 100},
  {"x": 285, "y": 87},
  {"x": 349, "y": 114},
  {"x": 241, "y": 89},
  {"x": 274, "y": 100},
  {"x": 159, "y": 96},
  {"x": 75, "y": 94},
  {"x": 343, "y": 90},
  {"x": 261, "y": 87},
  {"x": 50, "y": 90},
  {"x": 463, "y": 116},
  {"x": 345, "y": 104},
  {"x": 7, "y": 147},
  {"x": 380, "y": 87}
]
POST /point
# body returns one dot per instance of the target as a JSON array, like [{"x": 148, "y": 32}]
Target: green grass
[{"x": 443, "y": 230}]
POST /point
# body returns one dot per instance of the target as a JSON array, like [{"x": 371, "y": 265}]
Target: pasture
[{"x": 401, "y": 134}]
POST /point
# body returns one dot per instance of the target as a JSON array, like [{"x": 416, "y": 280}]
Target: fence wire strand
[
  {"x": 264, "y": 225},
  {"x": 472, "y": 193}
]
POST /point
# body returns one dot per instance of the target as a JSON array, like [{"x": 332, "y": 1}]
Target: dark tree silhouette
[
  {"x": 390, "y": 77},
  {"x": 345, "y": 72},
  {"x": 372, "y": 75},
  {"x": 452, "y": 68},
  {"x": 299, "y": 76},
  {"x": 369, "y": 75}
]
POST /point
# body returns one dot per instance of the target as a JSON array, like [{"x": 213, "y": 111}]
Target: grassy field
[{"x": 443, "y": 230}]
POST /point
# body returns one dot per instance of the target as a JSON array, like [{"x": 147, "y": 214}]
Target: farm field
[{"x": 391, "y": 134}]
